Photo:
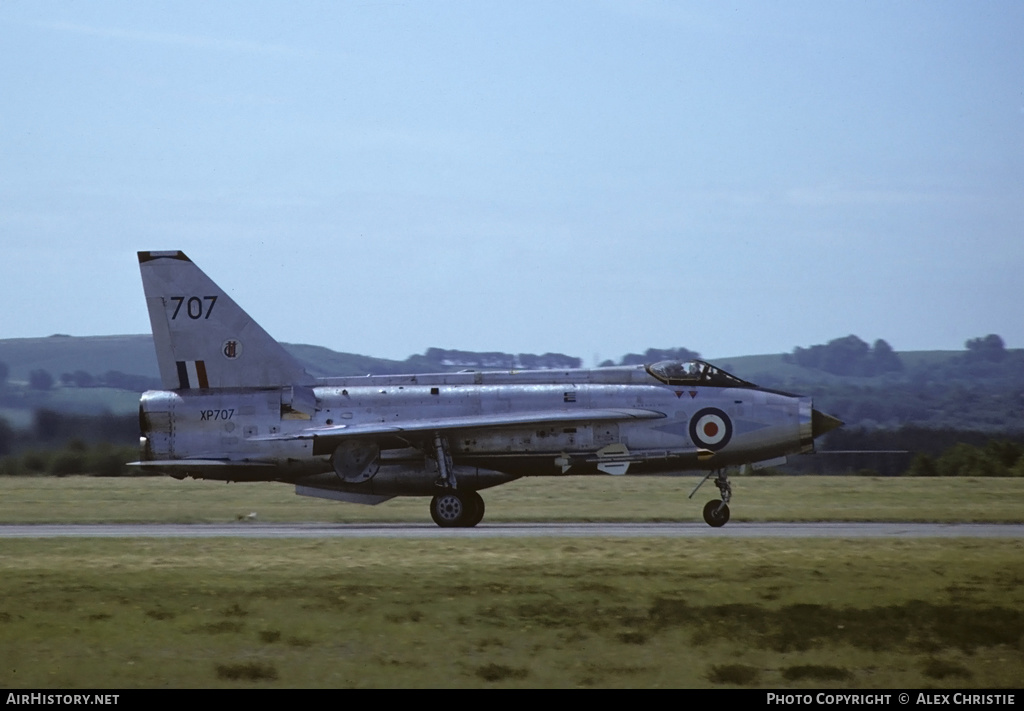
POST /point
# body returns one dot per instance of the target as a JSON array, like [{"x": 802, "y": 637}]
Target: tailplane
[{"x": 203, "y": 338}]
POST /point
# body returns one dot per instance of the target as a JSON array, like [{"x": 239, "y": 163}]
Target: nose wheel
[{"x": 716, "y": 512}]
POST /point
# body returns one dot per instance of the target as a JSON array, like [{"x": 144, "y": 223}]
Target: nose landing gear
[{"x": 716, "y": 512}]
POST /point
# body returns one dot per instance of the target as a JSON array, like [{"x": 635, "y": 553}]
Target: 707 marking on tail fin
[{"x": 193, "y": 306}]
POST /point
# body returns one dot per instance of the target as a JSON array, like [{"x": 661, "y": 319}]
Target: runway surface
[{"x": 519, "y": 530}]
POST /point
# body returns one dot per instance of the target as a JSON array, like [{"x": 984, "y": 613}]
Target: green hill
[
  {"x": 135, "y": 355},
  {"x": 66, "y": 354},
  {"x": 978, "y": 389}
]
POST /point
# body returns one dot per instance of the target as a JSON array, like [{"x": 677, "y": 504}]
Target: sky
[{"x": 592, "y": 178}]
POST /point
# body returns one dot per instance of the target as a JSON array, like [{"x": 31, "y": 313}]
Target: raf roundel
[{"x": 710, "y": 428}]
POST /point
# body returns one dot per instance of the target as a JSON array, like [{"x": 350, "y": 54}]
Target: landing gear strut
[
  {"x": 443, "y": 457},
  {"x": 452, "y": 507},
  {"x": 716, "y": 511}
]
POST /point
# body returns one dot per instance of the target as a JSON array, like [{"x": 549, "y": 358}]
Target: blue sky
[{"x": 592, "y": 178}]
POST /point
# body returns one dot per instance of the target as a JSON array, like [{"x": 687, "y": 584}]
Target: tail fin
[{"x": 203, "y": 338}]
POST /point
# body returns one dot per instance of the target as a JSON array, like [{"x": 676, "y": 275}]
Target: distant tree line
[
  {"x": 60, "y": 444},
  {"x": 50, "y": 428},
  {"x": 990, "y": 348},
  {"x": 980, "y": 389},
  {"x": 42, "y": 379},
  {"x": 848, "y": 356},
  {"x": 997, "y": 458},
  {"x": 913, "y": 451},
  {"x": 110, "y": 379},
  {"x": 73, "y": 458}
]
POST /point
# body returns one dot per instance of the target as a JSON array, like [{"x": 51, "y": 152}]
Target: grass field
[
  {"x": 611, "y": 612},
  {"x": 78, "y": 499},
  {"x": 552, "y": 613}
]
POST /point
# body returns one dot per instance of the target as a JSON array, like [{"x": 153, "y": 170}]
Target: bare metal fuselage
[{"x": 252, "y": 434}]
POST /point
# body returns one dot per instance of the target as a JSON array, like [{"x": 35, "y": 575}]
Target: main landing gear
[
  {"x": 453, "y": 507},
  {"x": 457, "y": 509},
  {"x": 716, "y": 511}
]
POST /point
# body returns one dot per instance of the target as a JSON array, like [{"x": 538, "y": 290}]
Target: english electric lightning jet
[{"x": 238, "y": 407}]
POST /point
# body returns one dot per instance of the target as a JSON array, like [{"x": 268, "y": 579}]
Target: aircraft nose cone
[{"x": 822, "y": 423}]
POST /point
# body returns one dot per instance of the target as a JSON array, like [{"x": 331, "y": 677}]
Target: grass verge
[
  {"x": 508, "y": 613},
  {"x": 79, "y": 499}
]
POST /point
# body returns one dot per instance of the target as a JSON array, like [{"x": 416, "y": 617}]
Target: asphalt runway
[{"x": 519, "y": 530}]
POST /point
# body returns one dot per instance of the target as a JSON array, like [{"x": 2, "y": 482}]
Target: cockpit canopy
[{"x": 694, "y": 372}]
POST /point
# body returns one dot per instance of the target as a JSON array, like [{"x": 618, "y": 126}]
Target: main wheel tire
[
  {"x": 712, "y": 516},
  {"x": 475, "y": 505},
  {"x": 449, "y": 510}
]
